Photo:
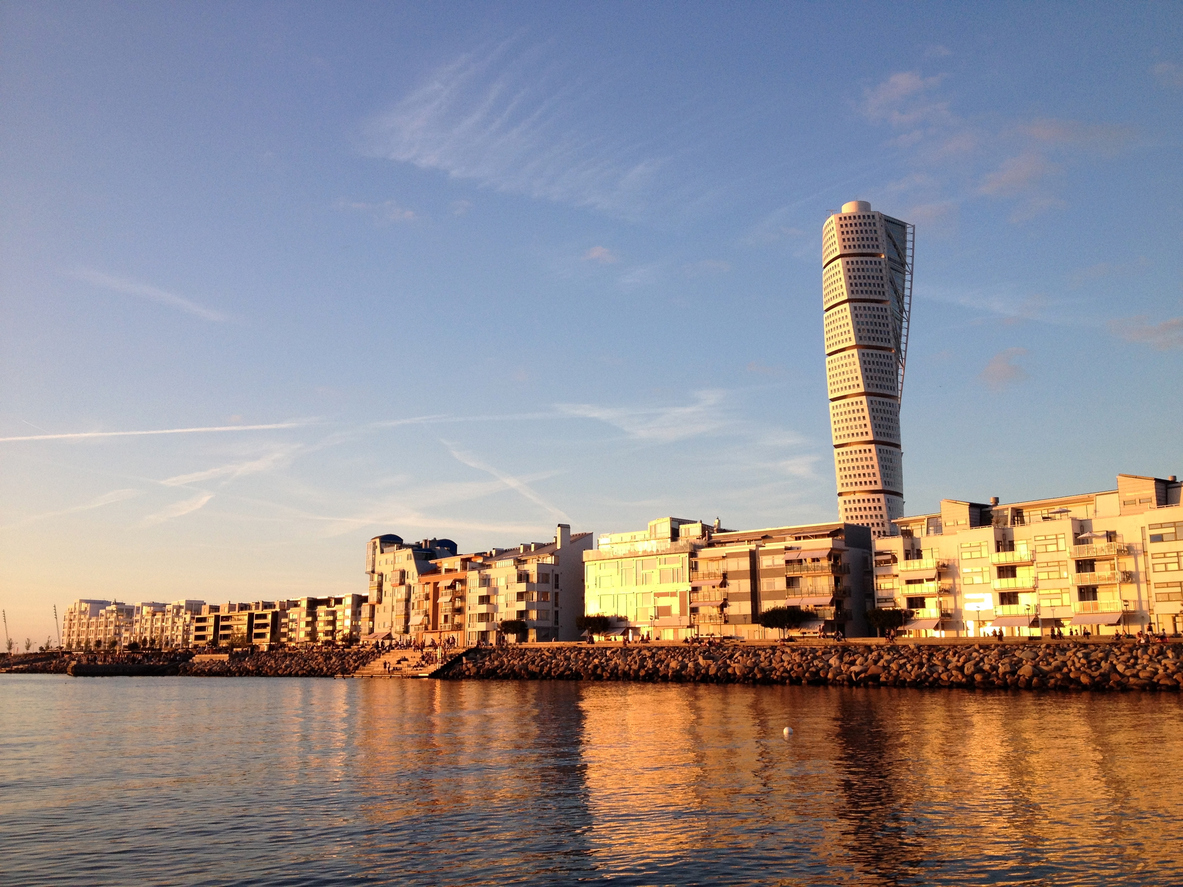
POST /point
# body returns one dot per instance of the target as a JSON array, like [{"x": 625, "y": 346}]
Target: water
[{"x": 185, "y": 781}]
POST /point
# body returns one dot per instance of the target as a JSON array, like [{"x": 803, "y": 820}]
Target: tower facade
[{"x": 866, "y": 299}]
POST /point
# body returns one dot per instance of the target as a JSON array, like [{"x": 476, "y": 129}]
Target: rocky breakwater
[
  {"x": 300, "y": 663},
  {"x": 1052, "y": 666}
]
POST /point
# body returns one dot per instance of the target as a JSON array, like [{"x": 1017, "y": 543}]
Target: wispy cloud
[
  {"x": 600, "y": 254},
  {"x": 509, "y": 120},
  {"x": 179, "y": 509},
  {"x": 1017, "y": 175},
  {"x": 1164, "y": 336},
  {"x": 1002, "y": 371},
  {"x": 662, "y": 424},
  {"x": 234, "y": 470},
  {"x": 147, "y": 291},
  {"x": 84, "y": 435},
  {"x": 517, "y": 484},
  {"x": 385, "y": 211},
  {"x": 106, "y": 499},
  {"x": 903, "y": 100}
]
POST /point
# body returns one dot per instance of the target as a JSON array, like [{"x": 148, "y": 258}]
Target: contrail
[{"x": 78, "y": 435}]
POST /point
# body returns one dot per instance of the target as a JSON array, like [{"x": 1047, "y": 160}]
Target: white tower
[{"x": 867, "y": 297}]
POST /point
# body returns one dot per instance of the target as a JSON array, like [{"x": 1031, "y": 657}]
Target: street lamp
[
  {"x": 1029, "y": 621},
  {"x": 1125, "y": 608}
]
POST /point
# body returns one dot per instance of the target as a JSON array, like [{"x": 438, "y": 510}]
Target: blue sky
[{"x": 468, "y": 270}]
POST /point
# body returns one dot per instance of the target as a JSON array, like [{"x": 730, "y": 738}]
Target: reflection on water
[{"x": 258, "y": 781}]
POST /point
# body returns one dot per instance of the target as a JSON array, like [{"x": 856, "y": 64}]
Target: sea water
[{"x": 256, "y": 781}]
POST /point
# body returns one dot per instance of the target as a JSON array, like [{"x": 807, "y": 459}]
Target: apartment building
[
  {"x": 427, "y": 592},
  {"x": 164, "y": 625},
  {"x": 95, "y": 623},
  {"x": 1103, "y": 562},
  {"x": 682, "y": 578}
]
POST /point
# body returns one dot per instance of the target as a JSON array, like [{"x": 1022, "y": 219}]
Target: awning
[
  {"x": 1013, "y": 621},
  {"x": 1096, "y": 619},
  {"x": 377, "y": 636},
  {"x": 816, "y": 601},
  {"x": 922, "y": 625},
  {"x": 705, "y": 583},
  {"x": 793, "y": 555},
  {"x": 417, "y": 620},
  {"x": 811, "y": 625}
]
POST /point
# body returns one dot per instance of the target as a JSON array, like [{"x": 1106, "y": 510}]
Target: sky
[{"x": 278, "y": 277}]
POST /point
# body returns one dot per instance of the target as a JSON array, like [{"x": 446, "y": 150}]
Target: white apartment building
[
  {"x": 427, "y": 592},
  {"x": 1102, "y": 562},
  {"x": 866, "y": 301}
]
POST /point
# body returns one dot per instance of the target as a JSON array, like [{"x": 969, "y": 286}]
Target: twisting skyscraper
[{"x": 866, "y": 297}]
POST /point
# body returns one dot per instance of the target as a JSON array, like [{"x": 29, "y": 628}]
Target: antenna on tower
[
  {"x": 7, "y": 639},
  {"x": 57, "y": 625}
]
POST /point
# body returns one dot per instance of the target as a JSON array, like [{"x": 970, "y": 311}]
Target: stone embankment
[
  {"x": 299, "y": 663},
  {"x": 1053, "y": 666}
]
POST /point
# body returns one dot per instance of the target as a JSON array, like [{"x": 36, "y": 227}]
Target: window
[
  {"x": 1008, "y": 572},
  {"x": 1171, "y": 532},
  {"x": 1168, "y": 562},
  {"x": 1008, "y": 598},
  {"x": 915, "y": 603},
  {"x": 1053, "y": 542},
  {"x": 1057, "y": 570},
  {"x": 1087, "y": 593},
  {"x": 971, "y": 550}
]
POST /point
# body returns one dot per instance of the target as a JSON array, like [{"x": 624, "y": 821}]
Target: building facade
[
  {"x": 428, "y": 593},
  {"x": 679, "y": 578},
  {"x": 866, "y": 302},
  {"x": 1103, "y": 562}
]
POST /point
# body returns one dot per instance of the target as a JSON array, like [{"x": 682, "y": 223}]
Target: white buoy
[{"x": 788, "y": 732}]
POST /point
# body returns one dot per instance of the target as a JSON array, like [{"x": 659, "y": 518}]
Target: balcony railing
[
  {"x": 1107, "y": 577},
  {"x": 709, "y": 597},
  {"x": 805, "y": 568},
  {"x": 926, "y": 563},
  {"x": 707, "y": 619},
  {"x": 1015, "y": 610},
  {"x": 928, "y": 589},
  {"x": 931, "y": 613},
  {"x": 1014, "y": 582},
  {"x": 1097, "y": 606},
  {"x": 706, "y": 576},
  {"x": 1018, "y": 556},
  {"x": 1105, "y": 549}
]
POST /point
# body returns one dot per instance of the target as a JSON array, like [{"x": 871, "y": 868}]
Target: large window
[
  {"x": 1051, "y": 542},
  {"x": 1171, "y": 532},
  {"x": 1087, "y": 593}
]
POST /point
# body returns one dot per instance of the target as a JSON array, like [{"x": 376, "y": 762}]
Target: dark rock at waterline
[{"x": 1063, "y": 666}]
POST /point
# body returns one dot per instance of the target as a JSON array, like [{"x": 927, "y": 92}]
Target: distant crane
[
  {"x": 7, "y": 639},
  {"x": 57, "y": 625}
]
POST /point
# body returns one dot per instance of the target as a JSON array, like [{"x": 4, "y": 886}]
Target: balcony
[
  {"x": 1097, "y": 606},
  {"x": 707, "y": 619},
  {"x": 712, "y": 597},
  {"x": 1019, "y": 556},
  {"x": 931, "y": 613},
  {"x": 931, "y": 588},
  {"x": 706, "y": 576},
  {"x": 1016, "y": 610},
  {"x": 927, "y": 564},
  {"x": 1019, "y": 582},
  {"x": 805, "y": 568},
  {"x": 1105, "y": 549},
  {"x": 1106, "y": 577}
]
